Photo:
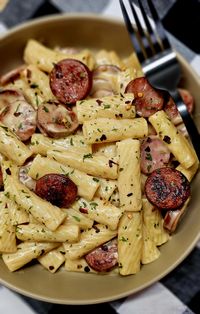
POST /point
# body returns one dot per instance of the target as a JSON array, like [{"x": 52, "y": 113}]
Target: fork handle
[{"x": 188, "y": 121}]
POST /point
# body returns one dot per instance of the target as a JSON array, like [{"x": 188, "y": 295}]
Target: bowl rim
[
  {"x": 104, "y": 299},
  {"x": 107, "y": 18},
  {"x": 60, "y": 16}
]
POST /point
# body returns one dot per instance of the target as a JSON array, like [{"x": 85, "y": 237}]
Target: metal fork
[{"x": 158, "y": 60}]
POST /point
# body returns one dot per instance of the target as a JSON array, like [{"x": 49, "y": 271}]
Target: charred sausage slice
[
  {"x": 147, "y": 99},
  {"x": 154, "y": 154},
  {"x": 103, "y": 258},
  {"x": 167, "y": 188},
  {"x": 57, "y": 189},
  {"x": 17, "y": 114},
  {"x": 56, "y": 120},
  {"x": 70, "y": 80}
]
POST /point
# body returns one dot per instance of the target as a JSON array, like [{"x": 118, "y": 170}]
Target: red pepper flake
[{"x": 83, "y": 210}]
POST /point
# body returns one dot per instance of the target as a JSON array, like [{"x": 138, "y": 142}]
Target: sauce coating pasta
[{"x": 73, "y": 175}]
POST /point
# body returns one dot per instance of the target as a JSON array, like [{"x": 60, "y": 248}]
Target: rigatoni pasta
[
  {"x": 18, "y": 215},
  {"x": 44, "y": 58},
  {"x": 12, "y": 147},
  {"x": 88, "y": 163},
  {"x": 129, "y": 178},
  {"x": 100, "y": 211},
  {"x": 34, "y": 232},
  {"x": 40, "y": 144},
  {"x": 176, "y": 142},
  {"x": 112, "y": 130},
  {"x": 26, "y": 252},
  {"x": 89, "y": 240},
  {"x": 7, "y": 228},
  {"x": 116, "y": 106},
  {"x": 154, "y": 222},
  {"x": 52, "y": 260},
  {"x": 130, "y": 243}
]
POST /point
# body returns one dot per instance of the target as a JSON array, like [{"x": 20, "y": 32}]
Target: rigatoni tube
[
  {"x": 129, "y": 179},
  {"x": 112, "y": 130},
  {"x": 39, "y": 233},
  {"x": 12, "y": 147},
  {"x": 130, "y": 243},
  {"x": 115, "y": 106},
  {"x": 175, "y": 141},
  {"x": 89, "y": 240},
  {"x": 94, "y": 165},
  {"x": 26, "y": 252}
]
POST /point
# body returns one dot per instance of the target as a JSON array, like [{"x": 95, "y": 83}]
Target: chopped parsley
[
  {"x": 123, "y": 239},
  {"x": 76, "y": 218},
  {"x": 87, "y": 156},
  {"x": 45, "y": 109},
  {"x": 93, "y": 205}
]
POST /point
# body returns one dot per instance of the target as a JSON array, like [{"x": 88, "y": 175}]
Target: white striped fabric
[
  {"x": 154, "y": 300},
  {"x": 2, "y": 28},
  {"x": 12, "y": 303}
]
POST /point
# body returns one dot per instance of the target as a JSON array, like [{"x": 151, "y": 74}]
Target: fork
[{"x": 158, "y": 60}]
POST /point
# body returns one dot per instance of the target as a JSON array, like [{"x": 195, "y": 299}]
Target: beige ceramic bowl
[{"x": 76, "y": 288}]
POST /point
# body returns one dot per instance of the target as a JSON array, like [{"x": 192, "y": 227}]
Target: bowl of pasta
[{"x": 99, "y": 182}]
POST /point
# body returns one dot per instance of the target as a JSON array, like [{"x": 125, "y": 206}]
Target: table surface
[{"x": 178, "y": 292}]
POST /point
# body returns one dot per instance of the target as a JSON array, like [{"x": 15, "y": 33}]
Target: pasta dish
[{"x": 96, "y": 164}]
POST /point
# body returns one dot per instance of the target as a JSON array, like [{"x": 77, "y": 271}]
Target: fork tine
[
  {"x": 159, "y": 27},
  {"x": 132, "y": 33},
  {"x": 144, "y": 38},
  {"x": 153, "y": 38}
]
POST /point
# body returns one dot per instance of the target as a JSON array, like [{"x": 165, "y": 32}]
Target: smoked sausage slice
[
  {"x": 147, "y": 99},
  {"x": 103, "y": 258},
  {"x": 173, "y": 218},
  {"x": 167, "y": 188},
  {"x": 171, "y": 109},
  {"x": 104, "y": 80},
  {"x": 154, "y": 154},
  {"x": 17, "y": 114},
  {"x": 12, "y": 75},
  {"x": 187, "y": 98},
  {"x": 56, "y": 120},
  {"x": 57, "y": 189},
  {"x": 70, "y": 80}
]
